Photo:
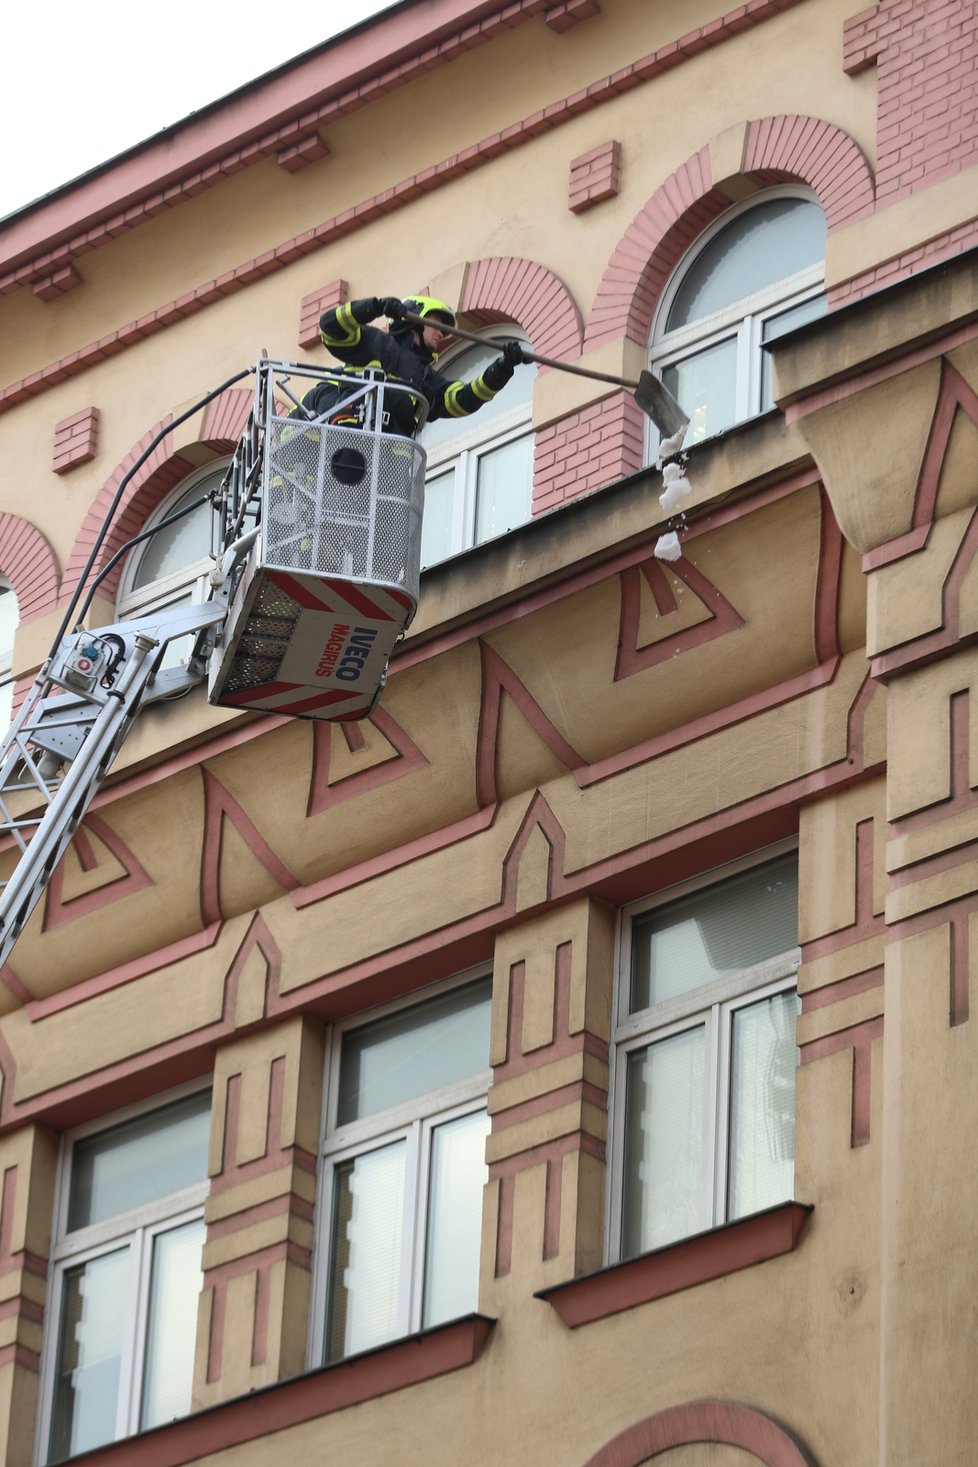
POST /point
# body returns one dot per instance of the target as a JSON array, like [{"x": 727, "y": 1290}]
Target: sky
[{"x": 80, "y": 83}]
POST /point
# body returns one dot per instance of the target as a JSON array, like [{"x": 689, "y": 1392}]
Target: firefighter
[{"x": 406, "y": 354}]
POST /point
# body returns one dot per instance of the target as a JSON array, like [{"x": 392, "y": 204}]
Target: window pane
[
  {"x": 86, "y": 1388},
  {"x": 464, "y": 367},
  {"x": 436, "y": 527},
  {"x": 458, "y": 1175},
  {"x": 182, "y": 544},
  {"x": 663, "y": 1142},
  {"x": 172, "y": 1328},
  {"x": 503, "y": 488},
  {"x": 705, "y": 386},
  {"x": 140, "y": 1161},
  {"x": 713, "y": 933},
  {"x": 415, "y": 1051},
  {"x": 365, "y": 1267},
  {"x": 762, "y": 1105},
  {"x": 763, "y": 245},
  {"x": 776, "y": 326}
]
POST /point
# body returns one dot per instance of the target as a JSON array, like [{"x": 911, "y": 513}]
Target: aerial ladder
[{"x": 316, "y": 576}]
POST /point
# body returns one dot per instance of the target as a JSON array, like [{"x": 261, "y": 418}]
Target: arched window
[
  {"x": 480, "y": 469},
  {"x": 758, "y": 272},
  {"x": 171, "y": 567},
  {"x": 9, "y": 617}
]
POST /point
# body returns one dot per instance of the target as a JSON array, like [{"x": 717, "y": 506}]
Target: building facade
[{"x": 572, "y": 1062}]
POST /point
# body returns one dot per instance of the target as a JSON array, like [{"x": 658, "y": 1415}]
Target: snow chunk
[{"x": 667, "y": 547}]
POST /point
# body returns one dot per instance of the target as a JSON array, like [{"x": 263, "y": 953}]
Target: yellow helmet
[{"x": 428, "y": 305}]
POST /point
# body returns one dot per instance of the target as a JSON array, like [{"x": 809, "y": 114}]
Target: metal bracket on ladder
[{"x": 72, "y": 723}]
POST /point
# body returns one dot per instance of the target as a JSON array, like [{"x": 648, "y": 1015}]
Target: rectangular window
[
  {"x": 705, "y": 1058},
  {"x": 403, "y": 1171},
  {"x": 126, "y": 1277}
]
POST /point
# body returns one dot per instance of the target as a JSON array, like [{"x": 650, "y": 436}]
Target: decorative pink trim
[
  {"x": 587, "y": 450},
  {"x": 568, "y": 13},
  {"x": 439, "y": 174},
  {"x": 8, "y": 1199},
  {"x": 954, "y": 393},
  {"x": 310, "y": 150},
  {"x": 866, "y": 922},
  {"x": 721, "y": 617},
  {"x": 503, "y": 1261},
  {"x": 325, "y": 796},
  {"x": 779, "y": 149},
  {"x": 226, "y": 417},
  {"x": 678, "y": 1266},
  {"x": 721, "y": 1422},
  {"x": 259, "y": 938},
  {"x": 498, "y": 678},
  {"x": 28, "y": 562},
  {"x": 943, "y": 247},
  {"x": 220, "y": 806},
  {"x": 134, "y": 878},
  {"x": 859, "y": 1038},
  {"x": 262, "y": 1413},
  {"x": 843, "y": 988},
  {"x": 75, "y": 440},
  {"x": 594, "y": 177},
  {"x": 312, "y": 306},
  {"x": 514, "y": 289},
  {"x": 961, "y": 796},
  {"x": 52, "y": 287},
  {"x": 551, "y": 1207}
]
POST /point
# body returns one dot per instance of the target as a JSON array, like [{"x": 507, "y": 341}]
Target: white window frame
[
  {"x": 187, "y": 583},
  {"x": 136, "y": 1229},
  {"x": 742, "y": 320},
  {"x": 7, "y": 678},
  {"x": 466, "y": 448},
  {"x": 413, "y": 1122},
  {"x": 712, "y": 1005}
]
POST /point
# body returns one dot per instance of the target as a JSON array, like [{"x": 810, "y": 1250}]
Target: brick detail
[
  {"x": 594, "y": 177},
  {"x": 513, "y": 289},
  {"x": 927, "y": 92},
  {"x": 75, "y": 440},
  {"x": 312, "y": 306},
  {"x": 605, "y": 89},
  {"x": 587, "y": 450},
  {"x": 570, "y": 13},
  {"x": 934, "y": 252},
  {"x": 52, "y": 287},
  {"x": 29, "y": 564},
  {"x": 779, "y": 149},
  {"x": 301, "y": 154}
]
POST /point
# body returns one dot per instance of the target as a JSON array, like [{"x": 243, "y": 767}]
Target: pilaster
[
  {"x": 28, "y": 1163},
  {"x": 548, "y": 1102},
  {"x": 253, "y": 1318}
]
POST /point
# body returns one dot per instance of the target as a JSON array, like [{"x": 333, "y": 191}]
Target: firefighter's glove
[
  {"x": 391, "y": 307},
  {"x": 513, "y": 354},
  {"x": 366, "y": 310}
]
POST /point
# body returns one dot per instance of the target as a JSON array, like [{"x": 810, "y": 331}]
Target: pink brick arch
[
  {"x": 510, "y": 289},
  {"x": 223, "y": 423},
  {"x": 28, "y": 562},
  {"x": 786, "y": 149},
  {"x": 723, "y": 1423}
]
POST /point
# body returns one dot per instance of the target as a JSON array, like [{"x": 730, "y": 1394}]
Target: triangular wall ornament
[
  {"x": 499, "y": 678},
  {"x": 58, "y": 909},
  {"x": 721, "y": 616},
  {"x": 220, "y": 805},
  {"x": 407, "y": 758}
]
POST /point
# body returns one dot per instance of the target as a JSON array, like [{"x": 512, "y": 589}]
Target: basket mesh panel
[{"x": 344, "y": 502}]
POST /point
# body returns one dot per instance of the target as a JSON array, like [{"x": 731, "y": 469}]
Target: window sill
[
  {"x": 288, "y": 1403},
  {"x": 680, "y": 1265}
]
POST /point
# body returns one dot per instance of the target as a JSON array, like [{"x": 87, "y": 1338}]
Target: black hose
[{"x": 69, "y": 615}]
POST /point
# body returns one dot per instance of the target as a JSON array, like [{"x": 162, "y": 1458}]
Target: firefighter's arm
[
  {"x": 460, "y": 399},
  {"x": 339, "y": 328}
]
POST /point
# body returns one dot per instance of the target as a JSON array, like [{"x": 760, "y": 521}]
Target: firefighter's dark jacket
[{"x": 347, "y": 336}]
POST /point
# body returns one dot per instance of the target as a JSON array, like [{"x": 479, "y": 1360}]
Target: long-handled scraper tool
[{"x": 655, "y": 400}]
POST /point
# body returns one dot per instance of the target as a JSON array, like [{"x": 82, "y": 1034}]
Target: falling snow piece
[
  {"x": 667, "y": 547},
  {"x": 673, "y": 444}
]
